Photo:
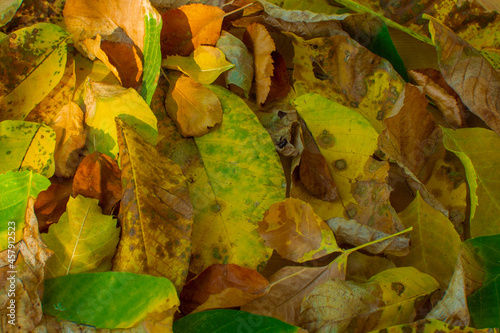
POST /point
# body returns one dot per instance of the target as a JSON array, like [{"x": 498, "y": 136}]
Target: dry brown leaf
[
  {"x": 99, "y": 177},
  {"x": 188, "y": 27},
  {"x": 222, "y": 286},
  {"x": 32, "y": 254},
  {"x": 353, "y": 233},
  {"x": 362, "y": 267},
  {"x": 446, "y": 99},
  {"x": 262, "y": 46},
  {"x": 51, "y": 203},
  {"x": 70, "y": 139},
  {"x": 280, "y": 82},
  {"x": 468, "y": 73},
  {"x": 192, "y": 107}
]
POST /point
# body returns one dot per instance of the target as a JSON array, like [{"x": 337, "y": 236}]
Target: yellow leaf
[
  {"x": 433, "y": 326},
  {"x": 193, "y": 107}
]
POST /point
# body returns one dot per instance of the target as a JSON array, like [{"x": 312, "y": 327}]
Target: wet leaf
[
  {"x": 388, "y": 298},
  {"x": 475, "y": 148},
  {"x": 193, "y": 107},
  {"x": 84, "y": 240},
  {"x": 155, "y": 213},
  {"x": 222, "y": 286},
  {"x": 242, "y": 177},
  {"x": 433, "y": 326},
  {"x": 204, "y": 65},
  {"x": 111, "y": 299},
  {"x": 293, "y": 229},
  {"x": 27, "y": 146},
  {"x": 33, "y": 62}
]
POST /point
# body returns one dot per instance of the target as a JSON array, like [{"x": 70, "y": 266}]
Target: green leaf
[
  {"x": 32, "y": 62},
  {"x": 84, "y": 240},
  {"x": 242, "y": 177},
  {"x": 236, "y": 52},
  {"x": 204, "y": 65},
  {"x": 152, "y": 52},
  {"x": 8, "y": 9},
  {"x": 221, "y": 321},
  {"x": 434, "y": 242},
  {"x": 484, "y": 303},
  {"x": 106, "y": 102},
  {"x": 108, "y": 300},
  {"x": 16, "y": 188},
  {"x": 27, "y": 146},
  {"x": 477, "y": 148}
]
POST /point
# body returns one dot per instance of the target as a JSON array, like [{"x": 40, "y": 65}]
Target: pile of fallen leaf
[{"x": 246, "y": 167}]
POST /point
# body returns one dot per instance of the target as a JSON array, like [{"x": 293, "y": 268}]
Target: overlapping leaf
[{"x": 430, "y": 326}]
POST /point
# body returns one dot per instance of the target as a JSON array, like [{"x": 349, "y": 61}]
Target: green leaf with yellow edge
[
  {"x": 27, "y": 146},
  {"x": 434, "y": 241},
  {"x": 32, "y": 62},
  {"x": 389, "y": 298},
  {"x": 242, "y": 177},
  {"x": 204, "y": 65},
  {"x": 364, "y": 81},
  {"x": 433, "y": 326},
  {"x": 110, "y": 299},
  {"x": 84, "y": 240},
  {"x": 104, "y": 103},
  {"x": 293, "y": 229},
  {"x": 477, "y": 149},
  {"x": 16, "y": 189},
  {"x": 155, "y": 212}
]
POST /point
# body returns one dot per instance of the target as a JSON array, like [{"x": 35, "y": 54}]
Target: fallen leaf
[
  {"x": 155, "y": 213},
  {"x": 362, "y": 267},
  {"x": 222, "y": 286},
  {"x": 388, "y": 298},
  {"x": 315, "y": 175},
  {"x": 242, "y": 177},
  {"x": 314, "y": 6},
  {"x": 27, "y": 146},
  {"x": 204, "y": 65},
  {"x": 445, "y": 98},
  {"x": 70, "y": 139},
  {"x": 430, "y": 326},
  {"x": 111, "y": 299},
  {"x": 187, "y": 27},
  {"x": 193, "y": 107},
  {"x": 462, "y": 66},
  {"x": 353, "y": 233},
  {"x": 17, "y": 188},
  {"x": 84, "y": 240},
  {"x": 22, "y": 271},
  {"x": 8, "y": 10},
  {"x": 51, "y": 203},
  {"x": 293, "y": 229},
  {"x": 474, "y": 147},
  {"x": 105, "y": 102},
  {"x": 434, "y": 243},
  {"x": 36, "y": 61},
  {"x": 99, "y": 177},
  {"x": 262, "y": 47},
  {"x": 280, "y": 83}
]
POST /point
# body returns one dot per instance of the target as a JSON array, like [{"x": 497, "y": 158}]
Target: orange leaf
[
  {"x": 222, "y": 286},
  {"x": 188, "y": 27}
]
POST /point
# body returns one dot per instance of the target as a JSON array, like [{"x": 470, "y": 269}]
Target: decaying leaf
[
  {"x": 194, "y": 108},
  {"x": 51, "y": 203},
  {"x": 293, "y": 229},
  {"x": 433, "y": 326},
  {"x": 222, "y": 286},
  {"x": 155, "y": 212},
  {"x": 280, "y": 83},
  {"x": 362, "y": 267}
]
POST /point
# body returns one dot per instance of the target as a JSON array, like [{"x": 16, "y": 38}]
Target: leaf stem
[{"x": 238, "y": 9}]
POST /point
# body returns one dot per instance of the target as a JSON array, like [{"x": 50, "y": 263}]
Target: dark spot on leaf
[
  {"x": 8, "y": 152},
  {"x": 398, "y": 288},
  {"x": 282, "y": 143},
  {"x": 340, "y": 164},
  {"x": 281, "y": 114},
  {"x": 380, "y": 115},
  {"x": 352, "y": 212},
  {"x": 325, "y": 139}
]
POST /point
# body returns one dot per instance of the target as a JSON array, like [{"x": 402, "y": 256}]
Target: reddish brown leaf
[
  {"x": 126, "y": 58},
  {"x": 51, "y": 203},
  {"x": 280, "y": 83},
  {"x": 224, "y": 285},
  {"x": 99, "y": 177}
]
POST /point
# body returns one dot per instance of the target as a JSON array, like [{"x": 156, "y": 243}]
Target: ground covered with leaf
[{"x": 239, "y": 166}]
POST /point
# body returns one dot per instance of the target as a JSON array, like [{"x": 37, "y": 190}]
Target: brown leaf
[
  {"x": 51, "y": 203},
  {"x": 468, "y": 73},
  {"x": 99, "y": 177},
  {"x": 293, "y": 229},
  {"x": 27, "y": 281},
  {"x": 446, "y": 99},
  {"x": 222, "y": 286},
  {"x": 188, "y": 27},
  {"x": 262, "y": 46},
  {"x": 280, "y": 83},
  {"x": 362, "y": 267}
]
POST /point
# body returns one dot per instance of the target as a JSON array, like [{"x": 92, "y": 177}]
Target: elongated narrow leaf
[
  {"x": 16, "y": 189},
  {"x": 84, "y": 240},
  {"x": 477, "y": 148},
  {"x": 36, "y": 60},
  {"x": 242, "y": 177},
  {"x": 110, "y": 299},
  {"x": 155, "y": 213},
  {"x": 27, "y": 146}
]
